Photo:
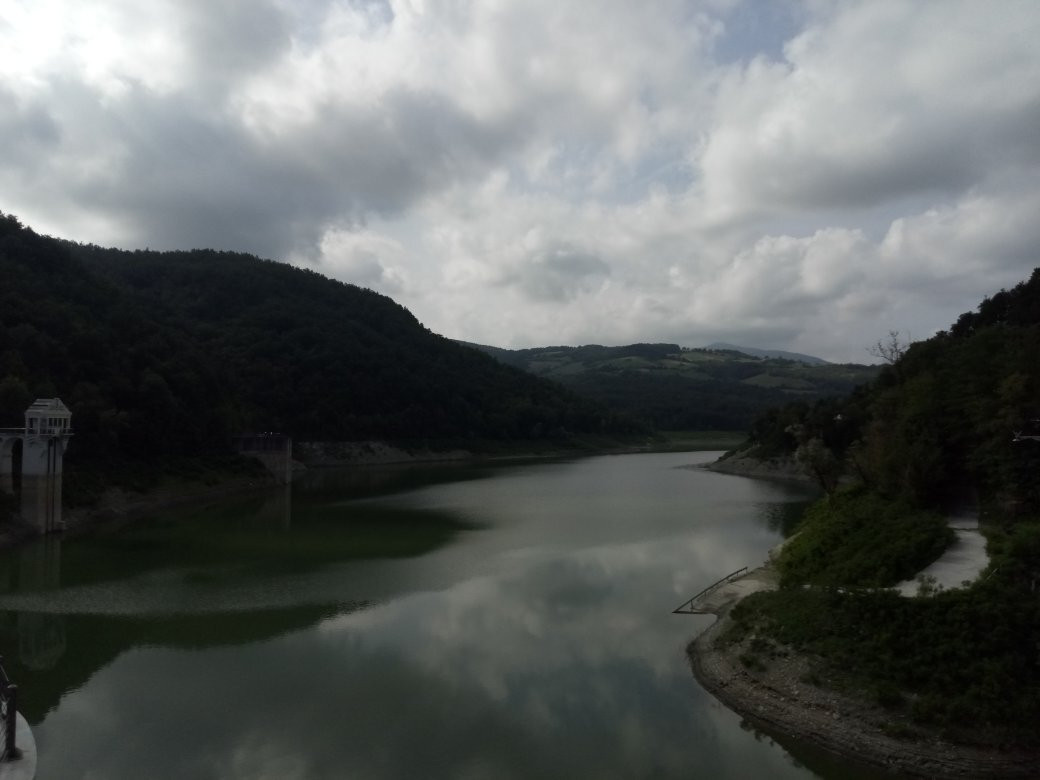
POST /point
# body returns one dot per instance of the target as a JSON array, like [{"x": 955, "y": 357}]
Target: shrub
[{"x": 857, "y": 538}]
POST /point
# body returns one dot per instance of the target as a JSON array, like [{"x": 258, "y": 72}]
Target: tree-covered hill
[
  {"x": 799, "y": 357},
  {"x": 942, "y": 417},
  {"x": 171, "y": 354},
  {"x": 139, "y": 385},
  {"x": 677, "y": 388},
  {"x": 953, "y": 420}
]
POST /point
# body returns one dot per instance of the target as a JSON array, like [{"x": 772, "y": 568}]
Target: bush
[{"x": 857, "y": 538}]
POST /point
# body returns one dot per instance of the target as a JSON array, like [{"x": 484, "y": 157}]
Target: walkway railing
[
  {"x": 8, "y": 716},
  {"x": 686, "y": 608}
]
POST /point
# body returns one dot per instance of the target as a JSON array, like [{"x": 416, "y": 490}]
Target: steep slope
[
  {"x": 942, "y": 416},
  {"x": 140, "y": 387},
  {"x": 949, "y": 423},
  {"x": 169, "y": 354}
]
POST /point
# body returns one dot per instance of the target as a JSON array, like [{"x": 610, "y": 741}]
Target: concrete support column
[
  {"x": 273, "y": 450},
  {"x": 7, "y": 443},
  {"x": 41, "y": 481}
]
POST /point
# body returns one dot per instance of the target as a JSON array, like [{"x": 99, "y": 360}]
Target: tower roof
[{"x": 48, "y": 406}]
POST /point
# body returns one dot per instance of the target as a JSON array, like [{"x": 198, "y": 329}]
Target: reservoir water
[{"x": 490, "y": 621}]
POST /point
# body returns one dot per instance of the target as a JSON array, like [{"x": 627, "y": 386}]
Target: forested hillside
[
  {"x": 676, "y": 388},
  {"x": 950, "y": 423},
  {"x": 164, "y": 355},
  {"x": 941, "y": 417}
]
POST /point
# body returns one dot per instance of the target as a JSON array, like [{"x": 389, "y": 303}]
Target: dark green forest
[
  {"x": 940, "y": 420},
  {"x": 167, "y": 355},
  {"x": 947, "y": 424},
  {"x": 677, "y": 388}
]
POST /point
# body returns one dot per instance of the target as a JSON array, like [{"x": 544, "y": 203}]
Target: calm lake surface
[{"x": 523, "y": 630}]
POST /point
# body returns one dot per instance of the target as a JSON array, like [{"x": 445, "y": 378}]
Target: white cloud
[
  {"x": 876, "y": 101},
  {"x": 528, "y": 173},
  {"x": 363, "y": 256}
]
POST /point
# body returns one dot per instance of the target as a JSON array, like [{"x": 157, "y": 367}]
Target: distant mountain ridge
[
  {"x": 679, "y": 388},
  {"x": 771, "y": 353}
]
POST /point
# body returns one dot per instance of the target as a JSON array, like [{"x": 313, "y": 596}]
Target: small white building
[
  {"x": 48, "y": 429},
  {"x": 48, "y": 417}
]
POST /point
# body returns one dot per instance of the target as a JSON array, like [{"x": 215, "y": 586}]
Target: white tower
[{"x": 48, "y": 427}]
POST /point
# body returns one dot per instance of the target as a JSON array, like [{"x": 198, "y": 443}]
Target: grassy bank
[
  {"x": 859, "y": 539},
  {"x": 963, "y": 663}
]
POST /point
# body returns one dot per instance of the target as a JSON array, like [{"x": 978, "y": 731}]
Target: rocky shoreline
[
  {"x": 369, "y": 453},
  {"x": 786, "y": 469},
  {"x": 776, "y": 692}
]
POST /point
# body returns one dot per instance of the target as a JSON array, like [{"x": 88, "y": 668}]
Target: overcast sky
[{"x": 803, "y": 175}]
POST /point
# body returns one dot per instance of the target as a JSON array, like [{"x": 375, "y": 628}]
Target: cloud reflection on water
[
  {"x": 553, "y": 671},
  {"x": 515, "y": 652}
]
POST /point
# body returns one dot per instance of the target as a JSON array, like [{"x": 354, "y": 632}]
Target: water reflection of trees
[
  {"x": 369, "y": 481},
  {"x": 41, "y": 639}
]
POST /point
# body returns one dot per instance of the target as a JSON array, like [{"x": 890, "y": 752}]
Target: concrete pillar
[
  {"x": 7, "y": 442},
  {"x": 46, "y": 437},
  {"x": 41, "y": 502},
  {"x": 287, "y": 504},
  {"x": 41, "y": 481},
  {"x": 273, "y": 450}
]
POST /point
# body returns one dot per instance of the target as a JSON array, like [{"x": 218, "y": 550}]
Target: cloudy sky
[{"x": 799, "y": 174}]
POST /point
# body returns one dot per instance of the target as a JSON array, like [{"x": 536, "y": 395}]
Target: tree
[
  {"x": 890, "y": 350},
  {"x": 820, "y": 463}
]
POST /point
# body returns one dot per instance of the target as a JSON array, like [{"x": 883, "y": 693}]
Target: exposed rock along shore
[
  {"x": 778, "y": 695},
  {"x": 772, "y": 468},
  {"x": 368, "y": 453}
]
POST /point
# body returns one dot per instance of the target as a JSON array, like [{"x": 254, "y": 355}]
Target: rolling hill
[
  {"x": 770, "y": 353},
  {"x": 678, "y": 388}
]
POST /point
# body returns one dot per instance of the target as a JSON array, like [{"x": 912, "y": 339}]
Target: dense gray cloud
[
  {"x": 559, "y": 275},
  {"x": 806, "y": 177}
]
